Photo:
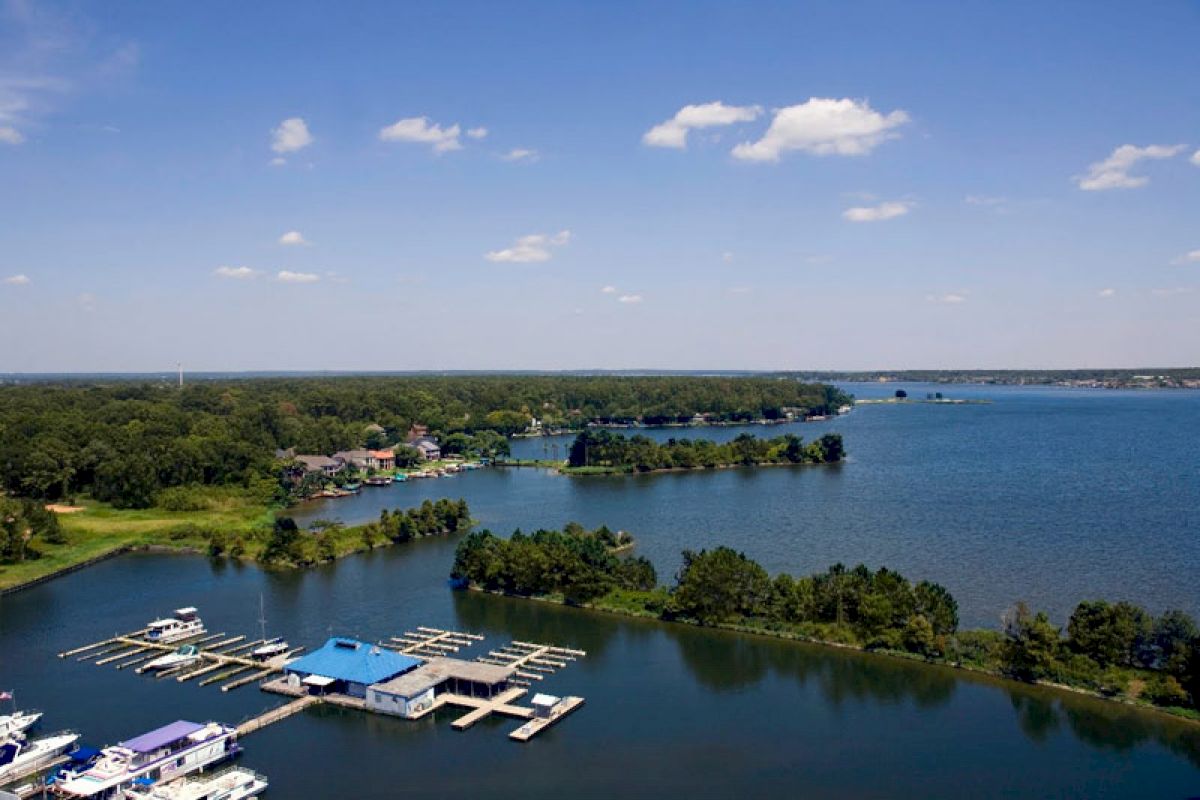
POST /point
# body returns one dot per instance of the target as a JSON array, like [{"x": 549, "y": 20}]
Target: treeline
[
  {"x": 610, "y": 451},
  {"x": 124, "y": 442},
  {"x": 286, "y": 544},
  {"x": 20, "y": 521},
  {"x": 1116, "y": 649},
  {"x": 578, "y": 564}
]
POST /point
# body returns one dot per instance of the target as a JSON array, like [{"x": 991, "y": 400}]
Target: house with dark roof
[
  {"x": 428, "y": 447},
  {"x": 324, "y": 464}
]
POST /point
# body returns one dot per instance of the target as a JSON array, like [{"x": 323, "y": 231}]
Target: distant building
[
  {"x": 428, "y": 447},
  {"x": 417, "y": 432},
  {"x": 357, "y": 459},
  {"x": 347, "y": 666},
  {"x": 412, "y": 693},
  {"x": 381, "y": 459}
]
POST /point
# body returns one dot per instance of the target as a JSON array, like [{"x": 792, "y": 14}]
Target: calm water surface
[{"x": 1045, "y": 494}]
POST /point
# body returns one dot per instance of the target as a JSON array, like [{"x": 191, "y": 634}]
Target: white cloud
[
  {"x": 10, "y": 135},
  {"x": 673, "y": 132},
  {"x": 278, "y": 161},
  {"x": 1195, "y": 159},
  {"x": 609, "y": 290},
  {"x": 1113, "y": 172},
  {"x": 520, "y": 154},
  {"x": 824, "y": 126},
  {"x": 889, "y": 210},
  {"x": 1192, "y": 257},
  {"x": 528, "y": 249},
  {"x": 235, "y": 273},
  {"x": 948, "y": 298},
  {"x": 293, "y": 239},
  {"x": 422, "y": 131},
  {"x": 18, "y": 280},
  {"x": 630, "y": 299},
  {"x": 291, "y": 135},
  {"x": 287, "y": 276},
  {"x": 477, "y": 133},
  {"x": 1106, "y": 292}
]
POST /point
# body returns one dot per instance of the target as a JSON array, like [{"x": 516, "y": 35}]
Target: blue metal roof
[{"x": 354, "y": 661}]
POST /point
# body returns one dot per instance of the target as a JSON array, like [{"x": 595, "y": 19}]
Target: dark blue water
[
  {"x": 678, "y": 711},
  {"x": 1048, "y": 495}
]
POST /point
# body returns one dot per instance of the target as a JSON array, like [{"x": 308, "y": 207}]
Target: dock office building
[{"x": 347, "y": 666}]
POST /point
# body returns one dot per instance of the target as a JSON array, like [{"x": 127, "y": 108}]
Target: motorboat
[
  {"x": 20, "y": 756},
  {"x": 161, "y": 755},
  {"x": 183, "y": 624},
  {"x": 235, "y": 783},
  {"x": 186, "y": 655},
  {"x": 17, "y": 722}
]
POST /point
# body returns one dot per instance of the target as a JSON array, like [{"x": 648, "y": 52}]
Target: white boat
[
  {"x": 162, "y": 755},
  {"x": 20, "y": 756},
  {"x": 235, "y": 783},
  {"x": 269, "y": 647},
  {"x": 183, "y": 624},
  {"x": 186, "y": 655},
  {"x": 17, "y": 722}
]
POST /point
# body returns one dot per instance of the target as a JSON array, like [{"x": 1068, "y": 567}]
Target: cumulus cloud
[
  {"x": 531, "y": 248},
  {"x": 422, "y": 131},
  {"x": 1195, "y": 159},
  {"x": 630, "y": 299},
  {"x": 235, "y": 273},
  {"x": 477, "y": 133},
  {"x": 10, "y": 135},
  {"x": 1192, "y": 257},
  {"x": 520, "y": 154},
  {"x": 824, "y": 126},
  {"x": 293, "y": 239},
  {"x": 889, "y": 210},
  {"x": 674, "y": 132},
  {"x": 18, "y": 280},
  {"x": 287, "y": 276},
  {"x": 609, "y": 290},
  {"x": 291, "y": 135},
  {"x": 948, "y": 298},
  {"x": 1113, "y": 172},
  {"x": 1106, "y": 292}
]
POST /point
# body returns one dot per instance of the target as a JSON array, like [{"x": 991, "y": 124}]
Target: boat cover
[{"x": 149, "y": 742}]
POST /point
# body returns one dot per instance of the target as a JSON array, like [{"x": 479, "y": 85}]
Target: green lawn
[{"x": 100, "y": 529}]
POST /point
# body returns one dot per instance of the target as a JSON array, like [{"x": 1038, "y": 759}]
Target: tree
[
  {"x": 938, "y": 606},
  {"x": 1031, "y": 643},
  {"x": 719, "y": 585},
  {"x": 1109, "y": 634},
  {"x": 918, "y": 636}
]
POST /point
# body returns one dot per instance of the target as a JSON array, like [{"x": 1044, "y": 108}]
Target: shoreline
[{"x": 900, "y": 656}]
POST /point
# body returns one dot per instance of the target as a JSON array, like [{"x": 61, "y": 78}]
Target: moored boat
[
  {"x": 20, "y": 756},
  {"x": 235, "y": 783},
  {"x": 183, "y": 624},
  {"x": 269, "y": 648},
  {"x": 163, "y": 754},
  {"x": 17, "y": 722},
  {"x": 186, "y": 655}
]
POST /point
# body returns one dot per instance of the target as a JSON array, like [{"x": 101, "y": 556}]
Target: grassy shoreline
[{"x": 611, "y": 604}]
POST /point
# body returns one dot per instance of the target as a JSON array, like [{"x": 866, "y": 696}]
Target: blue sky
[{"x": 598, "y": 185}]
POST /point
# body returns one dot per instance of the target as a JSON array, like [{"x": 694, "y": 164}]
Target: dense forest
[
  {"x": 603, "y": 450},
  {"x": 124, "y": 442},
  {"x": 1116, "y": 649}
]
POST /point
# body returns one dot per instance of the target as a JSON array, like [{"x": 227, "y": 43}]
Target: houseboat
[
  {"x": 183, "y": 624},
  {"x": 235, "y": 783},
  {"x": 17, "y": 722},
  {"x": 164, "y": 754},
  {"x": 20, "y": 756}
]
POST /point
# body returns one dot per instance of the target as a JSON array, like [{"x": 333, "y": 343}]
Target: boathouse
[
  {"x": 347, "y": 666},
  {"x": 412, "y": 693}
]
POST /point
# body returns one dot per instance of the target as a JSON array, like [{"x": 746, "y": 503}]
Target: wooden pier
[
  {"x": 277, "y": 714},
  {"x": 538, "y": 724}
]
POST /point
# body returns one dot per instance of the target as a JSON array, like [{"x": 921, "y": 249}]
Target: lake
[{"x": 1051, "y": 495}]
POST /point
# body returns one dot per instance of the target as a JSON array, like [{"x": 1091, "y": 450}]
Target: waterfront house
[
  {"x": 323, "y": 464},
  {"x": 416, "y": 432},
  {"x": 412, "y": 693},
  {"x": 357, "y": 459},
  {"x": 428, "y": 447},
  {"x": 381, "y": 459},
  {"x": 347, "y": 666}
]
